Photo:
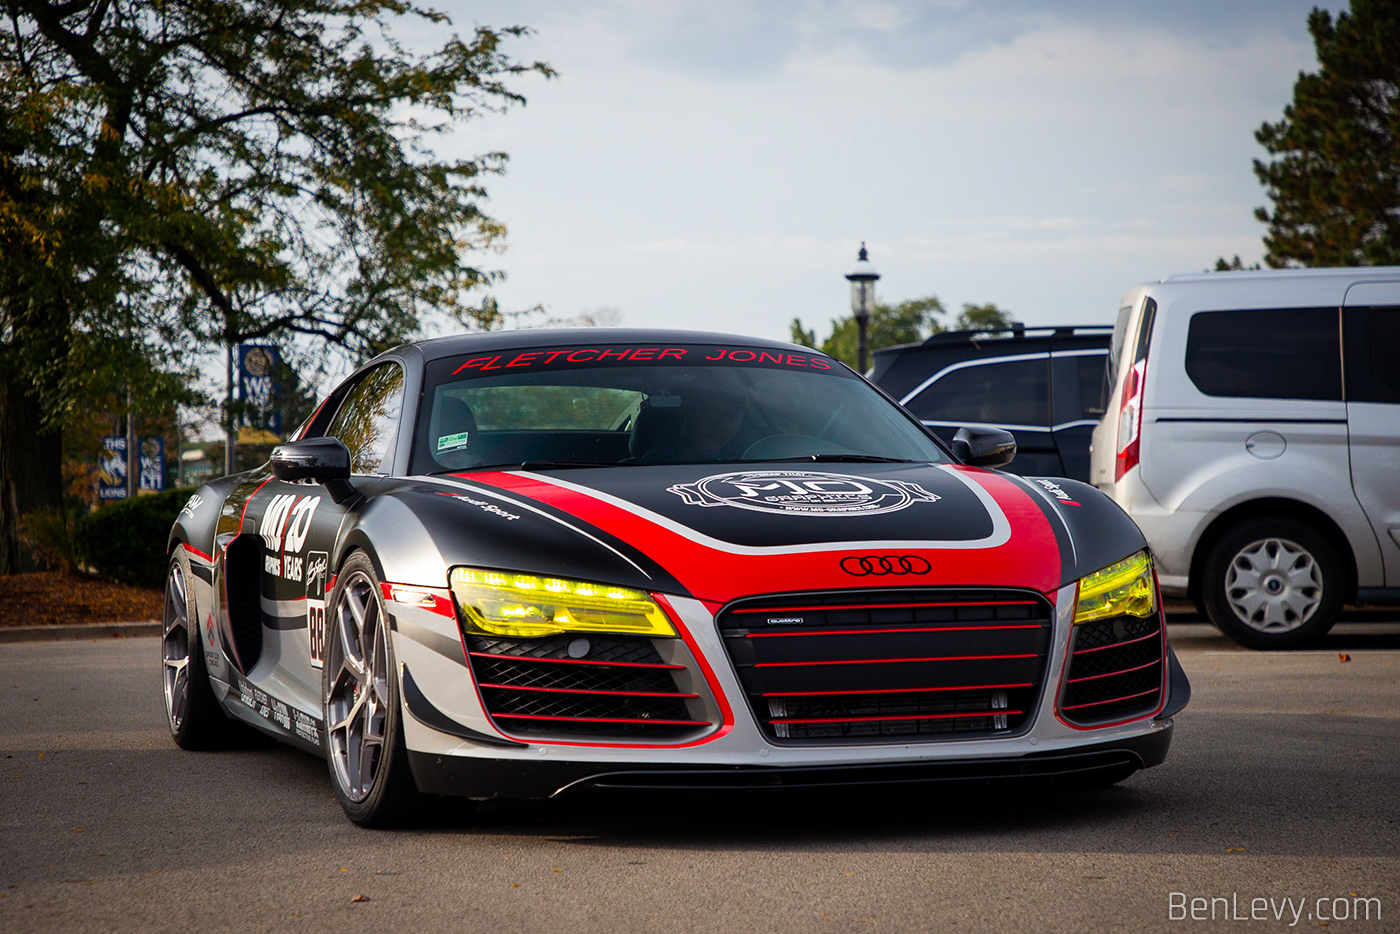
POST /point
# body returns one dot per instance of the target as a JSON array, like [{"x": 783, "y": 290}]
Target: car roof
[
  {"x": 900, "y": 368},
  {"x": 453, "y": 345}
]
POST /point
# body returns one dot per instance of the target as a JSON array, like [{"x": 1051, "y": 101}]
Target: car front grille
[
  {"x": 1115, "y": 670},
  {"x": 870, "y": 666},
  {"x": 605, "y": 686}
]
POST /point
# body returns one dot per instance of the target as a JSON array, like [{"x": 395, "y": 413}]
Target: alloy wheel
[
  {"x": 357, "y": 697},
  {"x": 1273, "y": 585},
  {"x": 175, "y": 648}
]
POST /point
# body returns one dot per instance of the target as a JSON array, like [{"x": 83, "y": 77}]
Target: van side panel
[
  {"x": 1202, "y": 455},
  {"x": 1371, "y": 334}
]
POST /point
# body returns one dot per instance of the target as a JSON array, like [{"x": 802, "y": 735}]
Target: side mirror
[
  {"x": 984, "y": 447},
  {"x": 322, "y": 460}
]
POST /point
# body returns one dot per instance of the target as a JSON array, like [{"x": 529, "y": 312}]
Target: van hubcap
[{"x": 1273, "y": 585}]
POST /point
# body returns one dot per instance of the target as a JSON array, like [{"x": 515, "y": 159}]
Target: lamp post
[{"x": 863, "y": 279}]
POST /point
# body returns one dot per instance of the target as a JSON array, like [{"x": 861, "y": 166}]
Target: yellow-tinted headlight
[
  {"x": 1124, "y": 588},
  {"x": 501, "y": 603}
]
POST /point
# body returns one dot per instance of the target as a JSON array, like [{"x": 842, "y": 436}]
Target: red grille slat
[
  {"x": 1114, "y": 645},
  {"x": 519, "y": 687},
  {"x": 882, "y": 606},
  {"x": 967, "y": 687},
  {"x": 892, "y": 661},
  {"x": 876, "y": 632},
  {"x": 1112, "y": 700},
  {"x": 1110, "y": 674},
  {"x": 531, "y": 716},
  {"x": 576, "y": 661},
  {"x": 914, "y": 716}
]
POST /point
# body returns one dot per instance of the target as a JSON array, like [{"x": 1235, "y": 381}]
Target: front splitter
[{"x": 516, "y": 778}]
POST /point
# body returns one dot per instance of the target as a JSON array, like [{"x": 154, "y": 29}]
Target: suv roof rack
[{"x": 1017, "y": 330}]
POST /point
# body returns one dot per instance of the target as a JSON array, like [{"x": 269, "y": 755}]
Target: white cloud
[{"x": 1053, "y": 159}]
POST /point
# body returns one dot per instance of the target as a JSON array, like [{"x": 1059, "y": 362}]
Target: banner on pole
[
  {"x": 152, "y": 476},
  {"x": 258, "y": 387},
  {"x": 111, "y": 468}
]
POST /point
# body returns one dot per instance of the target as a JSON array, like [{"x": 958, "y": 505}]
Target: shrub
[
  {"x": 125, "y": 540},
  {"x": 49, "y": 535}
]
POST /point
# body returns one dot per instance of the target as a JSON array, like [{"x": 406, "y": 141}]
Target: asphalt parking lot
[{"x": 1283, "y": 783}]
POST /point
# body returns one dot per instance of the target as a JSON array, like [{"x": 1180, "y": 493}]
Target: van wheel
[{"x": 1272, "y": 583}]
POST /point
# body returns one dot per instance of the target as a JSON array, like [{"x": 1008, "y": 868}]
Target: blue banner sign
[
  {"x": 152, "y": 476},
  {"x": 258, "y": 386},
  {"x": 111, "y": 468}
]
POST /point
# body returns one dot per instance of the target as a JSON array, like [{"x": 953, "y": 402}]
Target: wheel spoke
[
  {"x": 180, "y": 601},
  {"x": 349, "y": 650}
]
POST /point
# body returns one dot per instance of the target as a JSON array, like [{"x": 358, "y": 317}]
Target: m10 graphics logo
[
  {"x": 284, "y": 526},
  {"x": 803, "y": 493}
]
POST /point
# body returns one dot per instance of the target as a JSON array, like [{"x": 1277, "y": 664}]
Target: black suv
[{"x": 1044, "y": 385}]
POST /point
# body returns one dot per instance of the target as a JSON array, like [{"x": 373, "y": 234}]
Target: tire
[
  {"x": 1273, "y": 583},
  {"x": 366, "y": 755},
  {"x": 192, "y": 712}
]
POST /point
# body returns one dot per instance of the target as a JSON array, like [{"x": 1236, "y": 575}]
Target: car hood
[{"x": 722, "y": 532}]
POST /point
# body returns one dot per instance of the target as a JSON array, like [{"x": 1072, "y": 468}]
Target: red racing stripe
[{"x": 1029, "y": 558}]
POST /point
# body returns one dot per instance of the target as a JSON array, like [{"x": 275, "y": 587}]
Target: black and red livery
[{"x": 841, "y": 597}]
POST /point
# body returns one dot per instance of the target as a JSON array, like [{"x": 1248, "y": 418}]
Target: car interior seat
[{"x": 655, "y": 427}]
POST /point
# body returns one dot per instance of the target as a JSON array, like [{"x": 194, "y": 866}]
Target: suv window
[
  {"x": 1092, "y": 378},
  {"x": 368, "y": 418},
  {"x": 1014, "y": 392},
  {"x": 1272, "y": 353}
]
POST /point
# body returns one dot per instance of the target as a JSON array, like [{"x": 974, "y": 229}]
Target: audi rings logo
[{"x": 881, "y": 565}]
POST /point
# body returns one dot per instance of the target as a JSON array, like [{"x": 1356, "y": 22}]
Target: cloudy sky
[{"x": 716, "y": 163}]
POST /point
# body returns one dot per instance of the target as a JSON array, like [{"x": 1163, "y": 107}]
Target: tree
[
  {"x": 908, "y": 322},
  {"x": 1334, "y": 175},
  {"x": 986, "y": 317},
  {"x": 180, "y": 172},
  {"x": 1232, "y": 265}
]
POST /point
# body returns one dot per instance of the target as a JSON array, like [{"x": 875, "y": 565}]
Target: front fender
[{"x": 416, "y": 535}]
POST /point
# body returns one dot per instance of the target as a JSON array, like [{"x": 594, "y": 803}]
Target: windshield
[{"x": 655, "y": 405}]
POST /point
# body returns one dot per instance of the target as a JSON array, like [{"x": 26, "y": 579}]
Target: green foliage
[
  {"x": 179, "y": 173},
  {"x": 125, "y": 540},
  {"x": 1221, "y": 265},
  {"x": 49, "y": 535},
  {"x": 986, "y": 317},
  {"x": 908, "y": 322},
  {"x": 1334, "y": 175}
]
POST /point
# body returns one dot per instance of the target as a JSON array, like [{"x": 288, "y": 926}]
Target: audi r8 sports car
[{"x": 517, "y": 563}]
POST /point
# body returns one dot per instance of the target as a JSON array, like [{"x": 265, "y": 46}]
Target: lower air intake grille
[
  {"x": 1115, "y": 670},
  {"x": 870, "y": 666},
  {"x": 599, "y": 685}
]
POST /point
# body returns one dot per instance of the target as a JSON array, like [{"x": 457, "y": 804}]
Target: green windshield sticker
[{"x": 453, "y": 442}]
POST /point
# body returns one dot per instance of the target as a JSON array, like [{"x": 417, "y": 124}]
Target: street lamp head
[{"x": 862, "y": 279}]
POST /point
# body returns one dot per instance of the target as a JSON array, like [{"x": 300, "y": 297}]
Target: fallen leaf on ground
[
  {"x": 1343, "y": 657},
  {"x": 360, "y": 898}
]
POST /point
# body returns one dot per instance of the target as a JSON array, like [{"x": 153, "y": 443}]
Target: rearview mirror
[{"x": 984, "y": 447}]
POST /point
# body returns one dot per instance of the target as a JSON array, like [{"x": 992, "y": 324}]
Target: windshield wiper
[
  {"x": 840, "y": 458},
  {"x": 563, "y": 465}
]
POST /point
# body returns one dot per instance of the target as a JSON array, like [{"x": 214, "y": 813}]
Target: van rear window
[{"x": 1271, "y": 353}]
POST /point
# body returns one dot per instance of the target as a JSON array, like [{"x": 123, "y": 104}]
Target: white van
[{"x": 1253, "y": 432}]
